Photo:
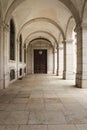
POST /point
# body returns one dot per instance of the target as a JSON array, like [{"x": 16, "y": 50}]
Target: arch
[
  {"x": 41, "y": 19},
  {"x": 67, "y": 3},
  {"x": 60, "y": 37},
  {"x": 69, "y": 27},
  {"x": 12, "y": 40},
  {"x": 41, "y": 32},
  {"x": 41, "y": 38},
  {"x": 73, "y": 10}
]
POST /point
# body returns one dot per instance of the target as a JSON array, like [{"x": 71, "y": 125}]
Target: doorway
[{"x": 40, "y": 61}]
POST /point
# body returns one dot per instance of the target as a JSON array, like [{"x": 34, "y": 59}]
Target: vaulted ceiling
[{"x": 42, "y": 18}]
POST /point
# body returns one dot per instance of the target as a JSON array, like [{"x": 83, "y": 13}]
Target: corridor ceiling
[{"x": 41, "y": 18}]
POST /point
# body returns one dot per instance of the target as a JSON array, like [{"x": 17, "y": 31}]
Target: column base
[
  {"x": 68, "y": 75},
  {"x": 6, "y": 81},
  {"x": 81, "y": 80},
  {"x": 60, "y": 73},
  {"x": 1, "y": 84}
]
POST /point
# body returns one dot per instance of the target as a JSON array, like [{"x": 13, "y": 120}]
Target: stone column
[
  {"x": 24, "y": 52},
  {"x": 81, "y": 76},
  {"x": 78, "y": 30},
  {"x": 60, "y": 61},
  {"x": 6, "y": 55},
  {"x": 57, "y": 60},
  {"x": 17, "y": 58},
  {"x": 68, "y": 60},
  {"x": 54, "y": 60},
  {"x": 1, "y": 58},
  {"x": 50, "y": 60}
]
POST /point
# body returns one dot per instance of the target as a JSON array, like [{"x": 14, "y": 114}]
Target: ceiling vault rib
[{"x": 45, "y": 32}]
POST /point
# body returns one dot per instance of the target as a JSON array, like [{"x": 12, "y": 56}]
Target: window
[
  {"x": 12, "y": 40},
  {"x": 24, "y": 53},
  {"x": 12, "y": 74},
  {"x": 20, "y": 49}
]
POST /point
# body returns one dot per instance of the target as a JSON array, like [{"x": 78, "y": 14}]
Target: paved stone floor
[{"x": 43, "y": 102}]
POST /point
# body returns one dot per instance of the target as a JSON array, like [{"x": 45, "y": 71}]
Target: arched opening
[{"x": 40, "y": 56}]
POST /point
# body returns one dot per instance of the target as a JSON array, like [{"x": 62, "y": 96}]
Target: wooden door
[{"x": 40, "y": 61}]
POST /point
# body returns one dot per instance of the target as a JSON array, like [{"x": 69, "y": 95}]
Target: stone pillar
[
  {"x": 54, "y": 60},
  {"x": 6, "y": 55},
  {"x": 60, "y": 61},
  {"x": 1, "y": 58},
  {"x": 24, "y": 61},
  {"x": 81, "y": 76},
  {"x": 78, "y": 30},
  {"x": 17, "y": 57},
  {"x": 84, "y": 55},
  {"x": 68, "y": 60},
  {"x": 57, "y": 60},
  {"x": 50, "y": 60}
]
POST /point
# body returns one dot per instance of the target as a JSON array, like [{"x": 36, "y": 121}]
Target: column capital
[
  {"x": 69, "y": 41},
  {"x": 60, "y": 46},
  {"x": 64, "y": 41},
  {"x": 4, "y": 26}
]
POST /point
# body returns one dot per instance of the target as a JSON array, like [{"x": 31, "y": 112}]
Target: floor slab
[{"x": 43, "y": 102}]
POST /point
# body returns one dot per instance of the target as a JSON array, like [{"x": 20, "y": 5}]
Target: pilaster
[
  {"x": 60, "y": 60},
  {"x": 84, "y": 55},
  {"x": 54, "y": 60},
  {"x": 6, "y": 54},
  {"x": 78, "y": 30},
  {"x": 68, "y": 73},
  {"x": 1, "y": 58}
]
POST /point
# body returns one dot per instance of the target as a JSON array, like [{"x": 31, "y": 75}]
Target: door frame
[
  {"x": 33, "y": 58},
  {"x": 44, "y": 49}
]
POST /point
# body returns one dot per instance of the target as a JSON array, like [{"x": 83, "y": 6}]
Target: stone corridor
[{"x": 43, "y": 102}]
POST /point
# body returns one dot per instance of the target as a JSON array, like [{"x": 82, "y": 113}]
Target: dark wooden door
[{"x": 40, "y": 61}]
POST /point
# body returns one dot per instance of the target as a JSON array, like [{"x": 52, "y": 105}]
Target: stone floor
[{"x": 43, "y": 102}]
